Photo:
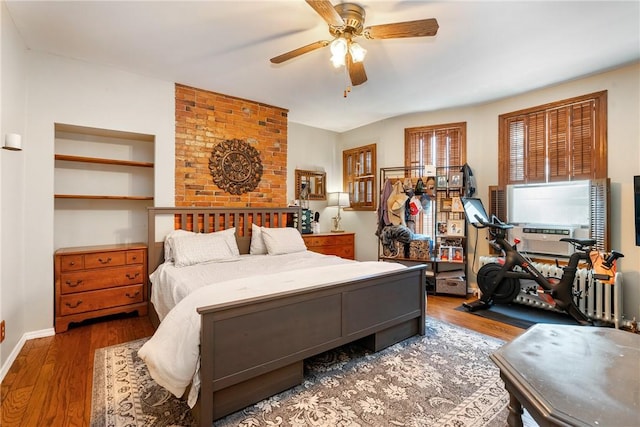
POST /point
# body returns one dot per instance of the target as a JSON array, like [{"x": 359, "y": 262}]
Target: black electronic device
[
  {"x": 636, "y": 196},
  {"x": 474, "y": 211}
]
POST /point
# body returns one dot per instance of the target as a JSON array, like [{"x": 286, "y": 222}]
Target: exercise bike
[{"x": 500, "y": 282}]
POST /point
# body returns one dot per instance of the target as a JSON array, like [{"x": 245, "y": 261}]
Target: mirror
[{"x": 312, "y": 181}]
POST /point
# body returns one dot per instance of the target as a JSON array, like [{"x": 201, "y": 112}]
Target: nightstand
[
  {"x": 340, "y": 244},
  {"x": 95, "y": 281}
]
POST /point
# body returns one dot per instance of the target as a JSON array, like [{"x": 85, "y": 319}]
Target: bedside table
[
  {"x": 94, "y": 281},
  {"x": 340, "y": 244}
]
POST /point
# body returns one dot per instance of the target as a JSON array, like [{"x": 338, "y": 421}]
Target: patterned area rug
[{"x": 444, "y": 378}]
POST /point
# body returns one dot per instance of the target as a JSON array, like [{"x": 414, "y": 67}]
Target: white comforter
[
  {"x": 172, "y": 353},
  {"x": 171, "y": 284}
]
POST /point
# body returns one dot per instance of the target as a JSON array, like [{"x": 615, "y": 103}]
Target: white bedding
[
  {"x": 170, "y": 284},
  {"x": 172, "y": 353}
]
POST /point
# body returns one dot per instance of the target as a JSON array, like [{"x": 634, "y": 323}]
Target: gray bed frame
[{"x": 251, "y": 350}]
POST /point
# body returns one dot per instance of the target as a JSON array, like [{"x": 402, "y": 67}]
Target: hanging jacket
[
  {"x": 468, "y": 180},
  {"x": 383, "y": 214}
]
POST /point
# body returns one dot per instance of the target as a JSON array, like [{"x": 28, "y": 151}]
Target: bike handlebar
[
  {"x": 499, "y": 225},
  {"x": 613, "y": 256}
]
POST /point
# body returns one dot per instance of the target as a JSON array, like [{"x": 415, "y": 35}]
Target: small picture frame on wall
[
  {"x": 455, "y": 227},
  {"x": 441, "y": 181},
  {"x": 445, "y": 205},
  {"x": 455, "y": 180}
]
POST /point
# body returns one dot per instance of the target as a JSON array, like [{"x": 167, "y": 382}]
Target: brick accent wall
[{"x": 203, "y": 120}]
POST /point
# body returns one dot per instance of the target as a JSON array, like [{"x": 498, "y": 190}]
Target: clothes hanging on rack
[
  {"x": 383, "y": 213},
  {"x": 396, "y": 204},
  {"x": 469, "y": 181}
]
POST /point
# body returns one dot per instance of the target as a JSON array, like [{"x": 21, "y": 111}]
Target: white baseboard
[{"x": 16, "y": 350}]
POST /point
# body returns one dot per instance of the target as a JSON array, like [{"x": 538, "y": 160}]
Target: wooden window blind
[
  {"x": 359, "y": 176},
  {"x": 440, "y": 145},
  {"x": 560, "y": 141}
]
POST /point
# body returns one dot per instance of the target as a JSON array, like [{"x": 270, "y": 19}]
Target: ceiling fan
[{"x": 346, "y": 23}]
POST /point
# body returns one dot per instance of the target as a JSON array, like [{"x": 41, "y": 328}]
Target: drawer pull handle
[
  {"x": 72, "y": 305},
  {"x": 72, "y": 263},
  {"x": 107, "y": 261},
  {"x": 73, "y": 285},
  {"x": 130, "y": 277},
  {"x": 132, "y": 296}
]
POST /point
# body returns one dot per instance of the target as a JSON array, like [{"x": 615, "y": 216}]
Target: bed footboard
[{"x": 260, "y": 345}]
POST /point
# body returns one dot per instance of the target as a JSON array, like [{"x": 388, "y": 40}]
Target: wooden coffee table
[{"x": 572, "y": 375}]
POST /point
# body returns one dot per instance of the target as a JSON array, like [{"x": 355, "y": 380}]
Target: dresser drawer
[
  {"x": 332, "y": 240},
  {"x": 71, "y": 262},
  {"x": 105, "y": 259},
  {"x": 97, "y": 300},
  {"x": 88, "y": 280},
  {"x": 135, "y": 256}
]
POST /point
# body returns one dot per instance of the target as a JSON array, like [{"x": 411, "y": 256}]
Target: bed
[{"x": 254, "y": 347}]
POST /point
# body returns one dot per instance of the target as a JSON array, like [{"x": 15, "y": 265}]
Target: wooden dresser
[
  {"x": 340, "y": 244},
  {"x": 94, "y": 281}
]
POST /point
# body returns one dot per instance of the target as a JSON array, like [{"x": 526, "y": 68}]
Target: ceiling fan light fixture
[
  {"x": 338, "y": 51},
  {"x": 337, "y": 61},
  {"x": 339, "y": 47},
  {"x": 357, "y": 52}
]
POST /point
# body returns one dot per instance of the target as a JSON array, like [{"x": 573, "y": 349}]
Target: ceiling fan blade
[
  {"x": 299, "y": 51},
  {"x": 419, "y": 28},
  {"x": 325, "y": 9},
  {"x": 356, "y": 71}
]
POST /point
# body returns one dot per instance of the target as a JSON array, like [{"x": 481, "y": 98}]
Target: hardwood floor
[{"x": 50, "y": 381}]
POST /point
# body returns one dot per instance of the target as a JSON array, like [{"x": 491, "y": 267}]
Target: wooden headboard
[{"x": 208, "y": 220}]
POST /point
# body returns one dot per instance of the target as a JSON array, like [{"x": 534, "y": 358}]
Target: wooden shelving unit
[
  {"x": 98, "y": 160},
  {"x": 112, "y": 148},
  {"x": 103, "y": 184}
]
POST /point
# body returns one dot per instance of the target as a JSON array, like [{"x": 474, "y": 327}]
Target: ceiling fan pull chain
[{"x": 347, "y": 80}]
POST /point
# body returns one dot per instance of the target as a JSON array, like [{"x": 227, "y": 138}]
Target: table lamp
[{"x": 341, "y": 200}]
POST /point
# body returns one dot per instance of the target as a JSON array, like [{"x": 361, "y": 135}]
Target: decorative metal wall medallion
[{"x": 235, "y": 166}]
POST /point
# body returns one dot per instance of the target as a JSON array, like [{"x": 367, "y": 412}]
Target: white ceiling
[{"x": 484, "y": 50}]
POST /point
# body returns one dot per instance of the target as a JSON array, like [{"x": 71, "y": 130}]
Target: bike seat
[{"x": 579, "y": 242}]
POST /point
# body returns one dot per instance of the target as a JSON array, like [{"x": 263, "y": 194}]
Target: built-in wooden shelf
[
  {"x": 97, "y": 197},
  {"x": 69, "y": 158}
]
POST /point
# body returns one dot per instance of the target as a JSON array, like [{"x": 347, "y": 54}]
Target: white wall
[
  {"x": 74, "y": 92},
  {"x": 311, "y": 148},
  {"x": 623, "y": 86},
  {"x": 13, "y": 89}
]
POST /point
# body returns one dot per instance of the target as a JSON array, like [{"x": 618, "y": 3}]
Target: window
[
  {"x": 439, "y": 145},
  {"x": 561, "y": 141},
  {"x": 359, "y": 176},
  {"x": 442, "y": 146}
]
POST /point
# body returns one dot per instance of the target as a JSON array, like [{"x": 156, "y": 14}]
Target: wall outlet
[{"x": 1, "y": 331}]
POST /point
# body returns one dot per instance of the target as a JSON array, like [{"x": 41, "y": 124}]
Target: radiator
[{"x": 596, "y": 300}]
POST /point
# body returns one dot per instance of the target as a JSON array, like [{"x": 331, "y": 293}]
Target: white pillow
[
  {"x": 168, "y": 243},
  {"x": 228, "y": 234},
  {"x": 202, "y": 247},
  {"x": 285, "y": 240},
  {"x": 257, "y": 241}
]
